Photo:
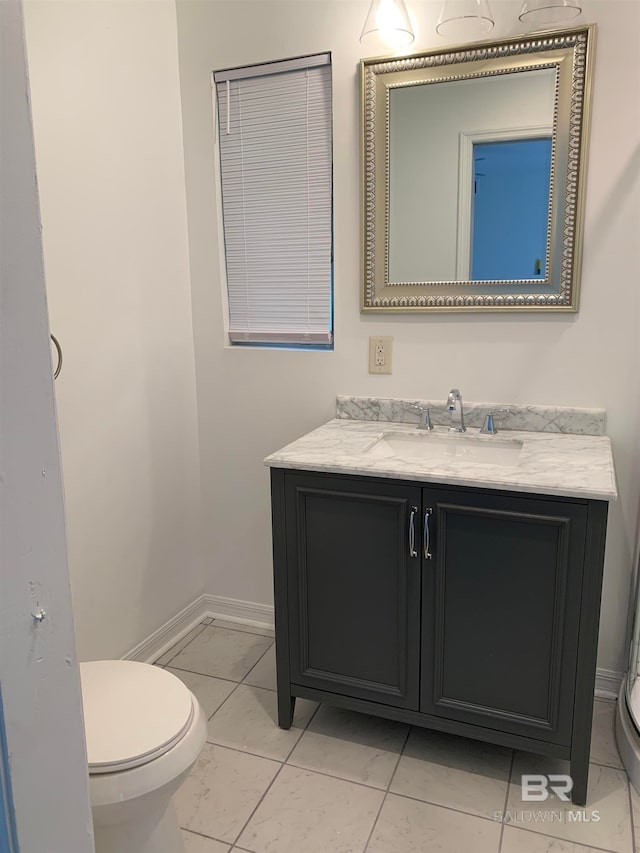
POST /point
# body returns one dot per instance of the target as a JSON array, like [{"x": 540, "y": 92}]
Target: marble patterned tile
[
  {"x": 210, "y": 692},
  {"x": 605, "y": 822},
  {"x": 222, "y": 653},
  {"x": 201, "y": 844},
  {"x": 181, "y": 644},
  {"x": 454, "y": 771},
  {"x": 222, "y": 790},
  {"x": 305, "y": 812},
  {"x": 248, "y": 721},
  {"x": 262, "y": 631},
  {"x": 603, "y": 740},
  {"x": 263, "y": 673},
  {"x": 351, "y": 745},
  {"x": 410, "y": 826},
  {"x": 520, "y": 841}
]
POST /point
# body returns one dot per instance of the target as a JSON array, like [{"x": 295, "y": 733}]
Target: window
[{"x": 274, "y": 132}]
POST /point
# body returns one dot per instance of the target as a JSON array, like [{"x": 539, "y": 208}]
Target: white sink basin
[{"x": 450, "y": 448}]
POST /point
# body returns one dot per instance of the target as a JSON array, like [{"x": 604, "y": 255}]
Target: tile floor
[{"x": 341, "y": 782}]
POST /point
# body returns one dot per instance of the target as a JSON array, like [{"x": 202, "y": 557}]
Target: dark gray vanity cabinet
[{"x": 466, "y": 610}]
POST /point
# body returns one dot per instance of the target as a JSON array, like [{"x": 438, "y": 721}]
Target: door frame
[
  {"x": 466, "y": 140},
  {"x": 39, "y": 674}
]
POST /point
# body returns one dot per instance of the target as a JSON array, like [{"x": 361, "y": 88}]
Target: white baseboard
[
  {"x": 167, "y": 635},
  {"x": 235, "y": 610},
  {"x": 607, "y": 686},
  {"x": 215, "y": 606},
  {"x": 608, "y": 683}
]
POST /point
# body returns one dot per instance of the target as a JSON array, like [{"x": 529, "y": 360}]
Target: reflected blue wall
[{"x": 510, "y": 209}]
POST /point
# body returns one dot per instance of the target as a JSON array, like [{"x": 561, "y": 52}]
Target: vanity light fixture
[
  {"x": 465, "y": 19},
  {"x": 549, "y": 11},
  {"x": 387, "y": 25}
]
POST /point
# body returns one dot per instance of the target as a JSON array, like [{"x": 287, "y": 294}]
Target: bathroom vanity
[{"x": 448, "y": 581}]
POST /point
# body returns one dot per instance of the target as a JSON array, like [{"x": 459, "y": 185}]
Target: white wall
[
  {"x": 106, "y": 105},
  {"x": 254, "y": 401},
  {"x": 38, "y": 668}
]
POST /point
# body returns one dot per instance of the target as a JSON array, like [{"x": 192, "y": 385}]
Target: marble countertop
[{"x": 549, "y": 463}]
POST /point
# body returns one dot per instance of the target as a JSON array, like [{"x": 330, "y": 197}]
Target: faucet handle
[
  {"x": 489, "y": 427},
  {"x": 425, "y": 417}
]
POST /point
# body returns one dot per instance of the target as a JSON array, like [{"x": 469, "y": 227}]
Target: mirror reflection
[{"x": 469, "y": 178}]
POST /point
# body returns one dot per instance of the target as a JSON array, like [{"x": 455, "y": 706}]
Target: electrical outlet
[{"x": 380, "y": 352}]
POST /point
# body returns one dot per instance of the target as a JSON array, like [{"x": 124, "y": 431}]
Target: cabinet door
[
  {"x": 354, "y": 588},
  {"x": 501, "y": 605}
]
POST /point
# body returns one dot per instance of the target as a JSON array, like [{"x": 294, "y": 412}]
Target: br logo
[{"x": 536, "y": 787}]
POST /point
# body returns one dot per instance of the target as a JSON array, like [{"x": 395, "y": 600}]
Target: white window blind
[{"x": 274, "y": 134}]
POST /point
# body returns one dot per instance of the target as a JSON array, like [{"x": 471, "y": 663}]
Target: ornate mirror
[{"x": 474, "y": 164}]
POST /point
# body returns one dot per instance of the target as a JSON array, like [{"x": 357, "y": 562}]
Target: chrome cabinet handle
[
  {"x": 427, "y": 515},
  {"x": 412, "y": 532}
]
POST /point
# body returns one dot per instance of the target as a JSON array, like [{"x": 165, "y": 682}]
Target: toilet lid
[{"x": 133, "y": 713}]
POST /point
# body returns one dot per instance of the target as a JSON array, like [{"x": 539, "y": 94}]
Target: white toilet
[{"x": 144, "y": 731}]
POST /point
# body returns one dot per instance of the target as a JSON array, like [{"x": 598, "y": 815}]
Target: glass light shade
[
  {"x": 387, "y": 25},
  {"x": 549, "y": 11},
  {"x": 465, "y": 19}
]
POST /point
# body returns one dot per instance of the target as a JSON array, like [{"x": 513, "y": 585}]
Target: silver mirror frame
[{"x": 570, "y": 52}]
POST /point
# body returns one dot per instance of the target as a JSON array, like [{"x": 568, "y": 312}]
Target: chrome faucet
[
  {"x": 425, "y": 418},
  {"x": 454, "y": 405},
  {"x": 489, "y": 427}
]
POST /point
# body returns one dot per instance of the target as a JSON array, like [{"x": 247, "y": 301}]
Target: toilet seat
[{"x": 133, "y": 713}]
